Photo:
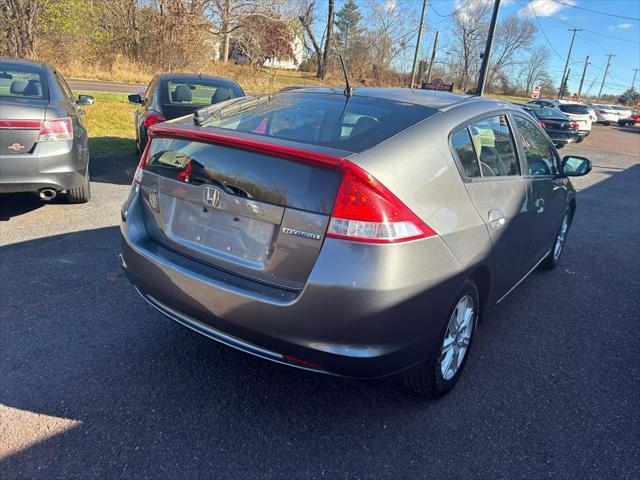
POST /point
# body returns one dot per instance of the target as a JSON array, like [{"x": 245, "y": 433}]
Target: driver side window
[{"x": 540, "y": 156}]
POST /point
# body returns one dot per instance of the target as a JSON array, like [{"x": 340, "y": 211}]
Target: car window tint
[
  {"x": 184, "y": 92},
  {"x": 328, "y": 120},
  {"x": 575, "y": 109},
  {"x": 494, "y": 145},
  {"x": 540, "y": 156},
  {"x": 461, "y": 142},
  {"x": 549, "y": 113},
  {"x": 23, "y": 81},
  {"x": 63, "y": 86}
]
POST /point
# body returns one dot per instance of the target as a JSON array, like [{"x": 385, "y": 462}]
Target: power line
[{"x": 596, "y": 11}]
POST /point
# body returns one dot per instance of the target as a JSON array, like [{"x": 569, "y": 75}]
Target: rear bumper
[
  {"x": 59, "y": 166},
  {"x": 367, "y": 311}
]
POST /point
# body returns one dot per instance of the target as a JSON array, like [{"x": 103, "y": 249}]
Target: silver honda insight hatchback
[{"x": 361, "y": 233}]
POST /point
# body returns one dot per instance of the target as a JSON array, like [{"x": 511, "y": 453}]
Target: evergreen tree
[
  {"x": 630, "y": 96},
  {"x": 349, "y": 29}
]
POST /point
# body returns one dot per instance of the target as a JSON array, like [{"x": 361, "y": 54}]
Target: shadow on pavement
[{"x": 156, "y": 400}]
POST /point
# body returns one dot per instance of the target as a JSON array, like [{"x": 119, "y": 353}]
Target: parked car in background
[
  {"x": 560, "y": 128},
  {"x": 632, "y": 120},
  {"x": 577, "y": 112},
  {"x": 623, "y": 112},
  {"x": 606, "y": 114},
  {"x": 43, "y": 139},
  {"x": 330, "y": 233},
  {"x": 173, "y": 95}
]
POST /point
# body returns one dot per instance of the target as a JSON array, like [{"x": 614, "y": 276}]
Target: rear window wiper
[{"x": 229, "y": 107}]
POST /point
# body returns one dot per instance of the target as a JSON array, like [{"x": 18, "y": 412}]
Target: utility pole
[
  {"x": 584, "y": 72},
  {"x": 604, "y": 77},
  {"x": 415, "y": 56},
  {"x": 487, "y": 49},
  {"x": 433, "y": 57},
  {"x": 566, "y": 65},
  {"x": 563, "y": 85},
  {"x": 633, "y": 82}
]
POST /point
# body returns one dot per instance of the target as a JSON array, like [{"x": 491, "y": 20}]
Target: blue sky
[{"x": 601, "y": 34}]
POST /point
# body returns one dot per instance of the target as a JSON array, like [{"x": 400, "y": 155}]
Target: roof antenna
[{"x": 348, "y": 91}]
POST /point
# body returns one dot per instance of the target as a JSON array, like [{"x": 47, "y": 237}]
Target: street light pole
[{"x": 487, "y": 49}]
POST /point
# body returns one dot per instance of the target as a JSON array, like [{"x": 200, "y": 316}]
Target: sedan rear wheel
[
  {"x": 553, "y": 258},
  {"x": 439, "y": 374}
]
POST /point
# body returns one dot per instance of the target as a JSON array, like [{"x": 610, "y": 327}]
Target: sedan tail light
[
  {"x": 573, "y": 124},
  {"x": 137, "y": 177},
  {"x": 56, "y": 130},
  {"x": 366, "y": 211},
  {"x": 153, "y": 119}
]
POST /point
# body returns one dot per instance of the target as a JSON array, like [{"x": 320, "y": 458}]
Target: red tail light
[
  {"x": 137, "y": 177},
  {"x": 153, "y": 119},
  {"x": 541, "y": 123},
  {"x": 366, "y": 211},
  {"x": 573, "y": 124},
  {"x": 55, "y": 130}
]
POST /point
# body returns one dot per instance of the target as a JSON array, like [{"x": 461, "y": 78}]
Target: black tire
[
  {"x": 427, "y": 379},
  {"x": 551, "y": 261},
  {"x": 580, "y": 138},
  {"x": 81, "y": 194}
]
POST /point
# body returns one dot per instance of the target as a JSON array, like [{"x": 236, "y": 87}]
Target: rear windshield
[
  {"x": 245, "y": 174},
  {"x": 548, "y": 113},
  {"x": 23, "y": 81},
  {"x": 574, "y": 108},
  {"x": 328, "y": 120},
  {"x": 199, "y": 92}
]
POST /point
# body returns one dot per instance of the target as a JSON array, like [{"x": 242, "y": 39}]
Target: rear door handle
[
  {"x": 539, "y": 205},
  {"x": 496, "y": 219}
]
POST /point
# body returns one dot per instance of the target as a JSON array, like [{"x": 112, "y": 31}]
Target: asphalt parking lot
[{"x": 95, "y": 383}]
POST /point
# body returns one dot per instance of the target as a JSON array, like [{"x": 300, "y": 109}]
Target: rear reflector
[
  {"x": 58, "y": 129},
  {"x": 366, "y": 211},
  {"x": 299, "y": 361}
]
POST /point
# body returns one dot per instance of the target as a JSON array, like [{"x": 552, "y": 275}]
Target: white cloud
[
  {"x": 625, "y": 26},
  {"x": 543, "y": 8}
]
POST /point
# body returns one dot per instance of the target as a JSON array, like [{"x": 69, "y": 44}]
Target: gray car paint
[
  {"x": 370, "y": 310},
  {"x": 58, "y": 165}
]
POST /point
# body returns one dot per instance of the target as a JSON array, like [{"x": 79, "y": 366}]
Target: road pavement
[
  {"x": 96, "y": 384},
  {"x": 100, "y": 86}
]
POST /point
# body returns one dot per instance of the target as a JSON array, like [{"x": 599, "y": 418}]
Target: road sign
[
  {"x": 535, "y": 94},
  {"x": 536, "y": 88}
]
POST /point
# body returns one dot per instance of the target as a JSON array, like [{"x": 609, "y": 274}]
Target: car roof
[
  {"x": 428, "y": 98},
  {"x": 24, "y": 62}
]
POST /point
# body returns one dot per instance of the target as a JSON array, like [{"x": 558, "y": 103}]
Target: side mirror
[
  {"x": 86, "y": 100},
  {"x": 135, "y": 98},
  {"x": 576, "y": 166}
]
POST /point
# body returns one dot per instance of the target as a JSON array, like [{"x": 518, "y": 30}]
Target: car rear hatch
[
  {"x": 252, "y": 212},
  {"x": 20, "y": 123}
]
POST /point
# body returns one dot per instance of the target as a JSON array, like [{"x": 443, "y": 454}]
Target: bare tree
[
  {"x": 536, "y": 68},
  {"x": 20, "y": 24},
  {"x": 321, "y": 54},
  {"x": 469, "y": 34},
  {"x": 513, "y": 35}
]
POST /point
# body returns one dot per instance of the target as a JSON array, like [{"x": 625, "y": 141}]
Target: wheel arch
[{"x": 481, "y": 276}]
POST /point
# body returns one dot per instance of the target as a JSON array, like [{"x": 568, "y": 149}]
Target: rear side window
[
  {"x": 575, "y": 109},
  {"x": 540, "y": 157},
  {"x": 494, "y": 147},
  {"x": 23, "y": 81},
  {"x": 199, "y": 93},
  {"x": 328, "y": 120},
  {"x": 461, "y": 142}
]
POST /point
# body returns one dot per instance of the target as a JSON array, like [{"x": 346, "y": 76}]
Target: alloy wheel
[{"x": 457, "y": 337}]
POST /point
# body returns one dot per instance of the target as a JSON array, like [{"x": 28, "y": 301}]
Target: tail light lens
[
  {"x": 573, "y": 124},
  {"x": 152, "y": 119},
  {"x": 56, "y": 130},
  {"x": 137, "y": 177},
  {"x": 541, "y": 123},
  {"x": 366, "y": 211}
]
